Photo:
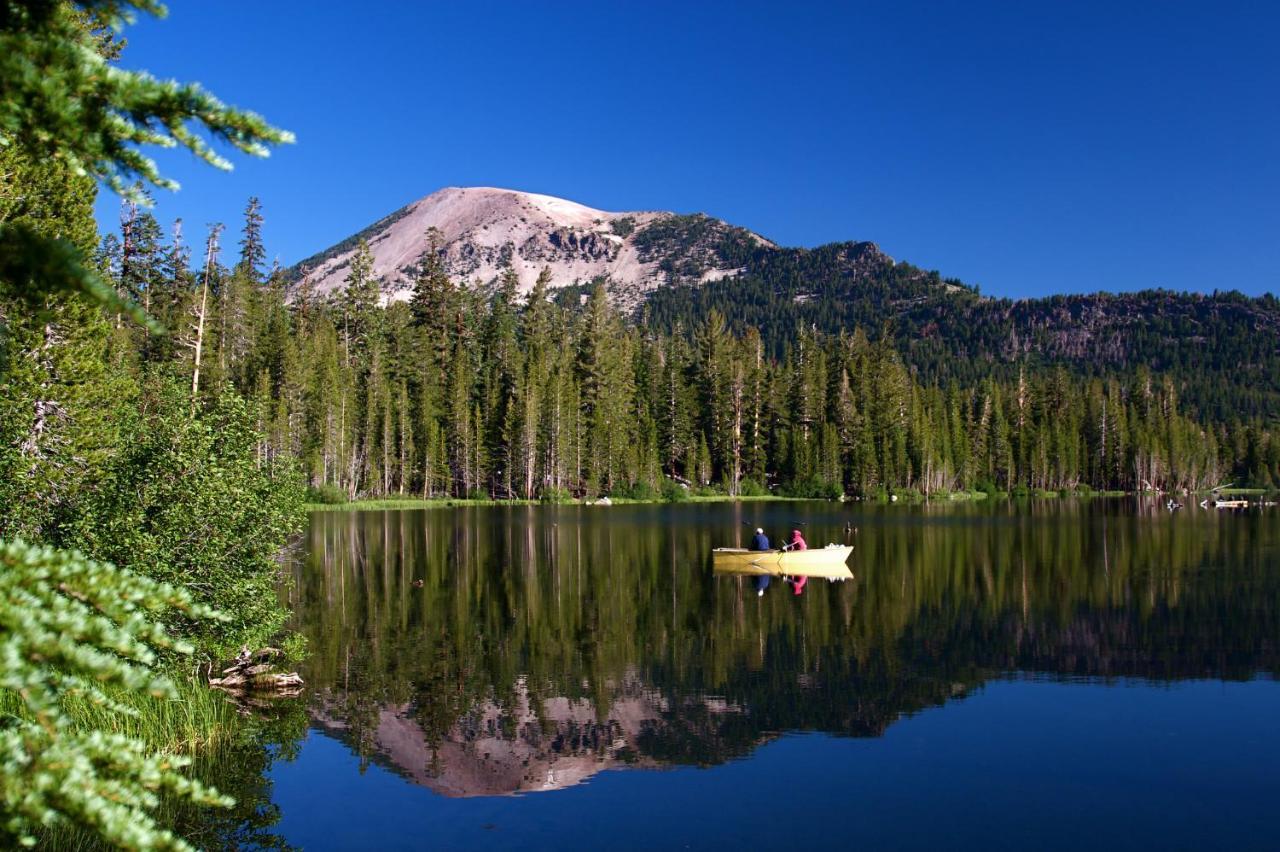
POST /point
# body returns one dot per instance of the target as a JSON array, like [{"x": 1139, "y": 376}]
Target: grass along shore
[
  {"x": 196, "y": 717},
  {"x": 406, "y": 502},
  {"x": 449, "y": 502}
]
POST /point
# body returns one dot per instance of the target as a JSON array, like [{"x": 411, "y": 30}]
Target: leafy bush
[
  {"x": 814, "y": 487},
  {"x": 751, "y": 488},
  {"x": 189, "y": 503},
  {"x": 674, "y": 492},
  {"x": 294, "y": 647},
  {"x": 637, "y": 491},
  {"x": 327, "y": 494},
  {"x": 555, "y": 495}
]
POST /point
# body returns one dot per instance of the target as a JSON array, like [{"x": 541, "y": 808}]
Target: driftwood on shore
[{"x": 254, "y": 672}]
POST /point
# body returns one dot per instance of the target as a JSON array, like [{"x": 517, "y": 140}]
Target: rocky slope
[{"x": 480, "y": 230}]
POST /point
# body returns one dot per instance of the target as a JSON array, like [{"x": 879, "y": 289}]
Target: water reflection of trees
[
  {"x": 239, "y": 768},
  {"x": 560, "y": 637}
]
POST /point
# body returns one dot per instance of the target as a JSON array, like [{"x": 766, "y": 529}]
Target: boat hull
[{"x": 826, "y": 562}]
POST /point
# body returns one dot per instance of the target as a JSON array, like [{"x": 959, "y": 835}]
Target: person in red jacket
[{"x": 797, "y": 543}]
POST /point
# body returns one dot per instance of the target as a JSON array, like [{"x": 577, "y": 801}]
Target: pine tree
[
  {"x": 360, "y": 301},
  {"x": 531, "y": 440},
  {"x": 141, "y": 270},
  {"x": 677, "y": 404},
  {"x": 73, "y": 625},
  {"x": 500, "y": 386},
  {"x": 63, "y": 387},
  {"x": 607, "y": 388},
  {"x": 253, "y": 253},
  {"x": 459, "y": 434},
  {"x": 173, "y": 293}
]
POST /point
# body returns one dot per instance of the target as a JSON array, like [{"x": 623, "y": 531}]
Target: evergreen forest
[{"x": 475, "y": 391}]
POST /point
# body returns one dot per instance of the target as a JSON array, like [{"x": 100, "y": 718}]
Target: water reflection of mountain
[
  {"x": 494, "y": 750},
  {"x": 546, "y": 645}
]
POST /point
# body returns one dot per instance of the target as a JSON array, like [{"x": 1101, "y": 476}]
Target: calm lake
[{"x": 1048, "y": 674}]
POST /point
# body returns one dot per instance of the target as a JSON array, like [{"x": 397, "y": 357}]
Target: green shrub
[
  {"x": 674, "y": 492},
  {"x": 814, "y": 487},
  {"x": 555, "y": 495},
  {"x": 326, "y": 494},
  {"x": 751, "y": 488},
  {"x": 188, "y": 503},
  {"x": 294, "y": 647},
  {"x": 636, "y": 491}
]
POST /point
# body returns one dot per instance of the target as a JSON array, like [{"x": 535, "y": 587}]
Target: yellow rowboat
[{"x": 826, "y": 562}]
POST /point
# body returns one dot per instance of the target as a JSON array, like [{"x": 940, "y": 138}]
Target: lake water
[{"x": 1025, "y": 675}]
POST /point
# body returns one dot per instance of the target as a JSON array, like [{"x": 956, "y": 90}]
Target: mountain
[
  {"x": 673, "y": 270},
  {"x": 481, "y": 230}
]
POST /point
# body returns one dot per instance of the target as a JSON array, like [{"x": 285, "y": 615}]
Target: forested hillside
[
  {"x": 735, "y": 386},
  {"x": 1222, "y": 351}
]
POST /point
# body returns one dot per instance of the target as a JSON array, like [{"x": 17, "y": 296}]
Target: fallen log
[{"x": 254, "y": 671}]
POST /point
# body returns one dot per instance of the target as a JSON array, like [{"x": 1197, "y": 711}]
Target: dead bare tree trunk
[{"x": 211, "y": 256}]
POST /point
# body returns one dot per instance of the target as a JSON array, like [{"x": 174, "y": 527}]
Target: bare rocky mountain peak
[{"x": 482, "y": 230}]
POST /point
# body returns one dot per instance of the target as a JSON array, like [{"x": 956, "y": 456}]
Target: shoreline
[
  {"x": 392, "y": 503},
  {"x": 458, "y": 502}
]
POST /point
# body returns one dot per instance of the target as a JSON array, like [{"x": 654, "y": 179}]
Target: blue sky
[{"x": 1028, "y": 148}]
